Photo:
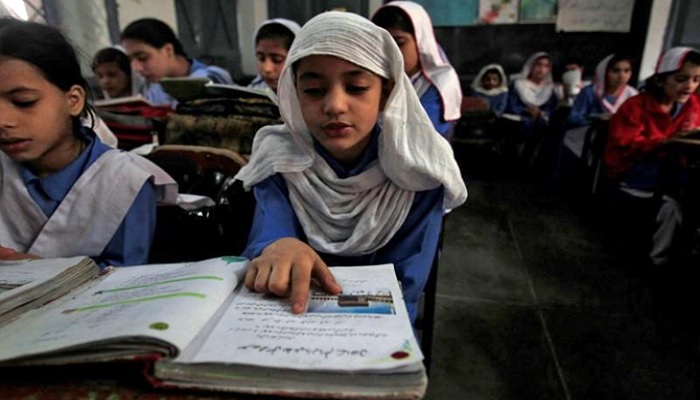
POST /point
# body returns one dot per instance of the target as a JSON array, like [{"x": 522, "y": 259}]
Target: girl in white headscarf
[
  {"x": 273, "y": 38},
  {"x": 533, "y": 95},
  {"x": 356, "y": 175},
  {"x": 607, "y": 92},
  {"x": 491, "y": 84},
  {"x": 432, "y": 75}
]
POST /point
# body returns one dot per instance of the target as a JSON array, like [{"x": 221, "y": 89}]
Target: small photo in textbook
[{"x": 361, "y": 302}]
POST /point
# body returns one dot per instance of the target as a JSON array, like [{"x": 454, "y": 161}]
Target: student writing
[{"x": 357, "y": 174}]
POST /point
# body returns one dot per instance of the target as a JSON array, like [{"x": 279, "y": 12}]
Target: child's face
[
  {"x": 270, "y": 55},
  {"x": 112, "y": 79},
  {"x": 35, "y": 115},
  {"x": 683, "y": 83},
  {"x": 619, "y": 75},
  {"x": 409, "y": 49},
  {"x": 152, "y": 63},
  {"x": 340, "y": 103},
  {"x": 491, "y": 80},
  {"x": 540, "y": 69}
]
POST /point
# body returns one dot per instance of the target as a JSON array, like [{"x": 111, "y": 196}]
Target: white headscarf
[
  {"x": 672, "y": 59},
  {"x": 435, "y": 66},
  {"x": 478, "y": 86},
  {"x": 360, "y": 214},
  {"x": 531, "y": 93},
  {"x": 600, "y": 83}
]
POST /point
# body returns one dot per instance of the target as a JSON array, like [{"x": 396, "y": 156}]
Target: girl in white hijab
[
  {"x": 273, "y": 38},
  {"x": 432, "y": 75},
  {"x": 356, "y": 175},
  {"x": 491, "y": 84},
  {"x": 533, "y": 95}
]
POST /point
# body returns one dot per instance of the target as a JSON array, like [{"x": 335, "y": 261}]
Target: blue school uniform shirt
[
  {"x": 518, "y": 107},
  {"x": 497, "y": 103},
  {"x": 432, "y": 103},
  {"x": 411, "y": 250},
  {"x": 156, "y": 95},
  {"x": 586, "y": 103},
  {"x": 131, "y": 242}
]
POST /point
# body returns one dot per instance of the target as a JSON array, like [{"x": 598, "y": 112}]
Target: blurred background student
[
  {"x": 115, "y": 76},
  {"x": 273, "y": 39},
  {"x": 432, "y": 75},
  {"x": 156, "y": 53}
]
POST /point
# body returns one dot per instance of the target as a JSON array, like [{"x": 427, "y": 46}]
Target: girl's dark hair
[
  {"x": 654, "y": 85},
  {"x": 110, "y": 54},
  {"x": 276, "y": 31},
  {"x": 45, "y": 48},
  {"x": 153, "y": 32},
  {"x": 393, "y": 18},
  {"x": 493, "y": 71},
  {"x": 616, "y": 58}
]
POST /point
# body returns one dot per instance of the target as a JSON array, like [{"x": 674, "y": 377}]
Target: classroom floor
[{"x": 535, "y": 301}]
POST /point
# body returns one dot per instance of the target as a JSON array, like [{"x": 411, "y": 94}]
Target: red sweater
[{"x": 640, "y": 126}]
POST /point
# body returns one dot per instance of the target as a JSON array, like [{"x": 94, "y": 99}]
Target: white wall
[
  {"x": 249, "y": 15},
  {"x": 131, "y": 10},
  {"x": 658, "y": 25}
]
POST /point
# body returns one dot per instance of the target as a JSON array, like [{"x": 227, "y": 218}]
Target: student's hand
[
  {"x": 285, "y": 268},
  {"x": 8, "y": 254},
  {"x": 534, "y": 112}
]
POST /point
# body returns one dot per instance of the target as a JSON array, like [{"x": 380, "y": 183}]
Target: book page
[
  {"x": 168, "y": 302},
  {"x": 365, "y": 328},
  {"x": 136, "y": 100}
]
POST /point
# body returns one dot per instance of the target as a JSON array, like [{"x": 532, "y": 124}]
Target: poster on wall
[
  {"x": 594, "y": 15},
  {"x": 538, "y": 11},
  {"x": 498, "y": 11},
  {"x": 451, "y": 13}
]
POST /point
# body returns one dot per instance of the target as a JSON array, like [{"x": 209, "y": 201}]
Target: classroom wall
[
  {"x": 656, "y": 33},
  {"x": 471, "y": 47},
  {"x": 131, "y": 10},
  {"x": 249, "y": 15}
]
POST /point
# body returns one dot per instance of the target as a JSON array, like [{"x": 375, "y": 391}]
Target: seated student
[
  {"x": 273, "y": 39},
  {"x": 63, "y": 192},
  {"x": 634, "y": 152},
  {"x": 156, "y": 53},
  {"x": 571, "y": 81},
  {"x": 432, "y": 76},
  {"x": 602, "y": 98},
  {"x": 491, "y": 84},
  {"x": 357, "y": 175},
  {"x": 112, "y": 69},
  {"x": 533, "y": 99},
  {"x": 607, "y": 92},
  {"x": 532, "y": 95}
]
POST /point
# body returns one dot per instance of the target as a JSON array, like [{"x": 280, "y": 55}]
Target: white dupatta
[
  {"x": 600, "y": 86},
  {"x": 360, "y": 214},
  {"x": 531, "y": 93}
]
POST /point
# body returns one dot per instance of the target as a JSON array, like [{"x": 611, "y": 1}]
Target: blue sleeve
[
  {"x": 584, "y": 105},
  {"x": 499, "y": 103},
  {"x": 413, "y": 247},
  {"x": 432, "y": 103},
  {"x": 216, "y": 74},
  {"x": 274, "y": 216},
  {"x": 514, "y": 104},
  {"x": 131, "y": 243}
]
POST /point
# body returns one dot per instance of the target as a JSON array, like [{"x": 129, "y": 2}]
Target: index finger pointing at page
[{"x": 301, "y": 282}]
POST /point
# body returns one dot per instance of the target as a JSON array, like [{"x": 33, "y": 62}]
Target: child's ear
[
  {"x": 76, "y": 100},
  {"x": 387, "y": 87},
  {"x": 168, "y": 49}
]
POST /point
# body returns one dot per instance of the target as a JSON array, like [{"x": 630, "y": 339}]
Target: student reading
[
  {"x": 156, "y": 53},
  {"x": 357, "y": 174},
  {"x": 62, "y": 191},
  {"x": 273, "y": 39},
  {"x": 432, "y": 76},
  {"x": 114, "y": 74}
]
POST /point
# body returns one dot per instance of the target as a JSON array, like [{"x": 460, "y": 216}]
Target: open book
[
  {"x": 197, "y": 87},
  {"x": 130, "y": 101},
  {"x": 27, "y": 284},
  {"x": 208, "y": 332}
]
